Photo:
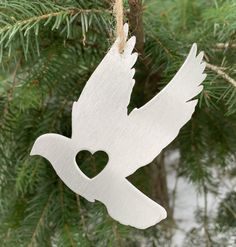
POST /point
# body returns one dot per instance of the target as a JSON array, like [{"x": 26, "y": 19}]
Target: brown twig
[
  {"x": 11, "y": 90},
  {"x": 136, "y": 23},
  {"x": 10, "y": 94},
  {"x": 116, "y": 235},
  {"x": 85, "y": 228},
  {"x": 174, "y": 192},
  {"x": 206, "y": 225},
  {"x": 224, "y": 46}
]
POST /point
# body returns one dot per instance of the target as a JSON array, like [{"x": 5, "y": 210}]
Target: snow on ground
[{"x": 188, "y": 200}]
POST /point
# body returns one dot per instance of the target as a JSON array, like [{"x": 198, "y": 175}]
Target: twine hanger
[{"x": 119, "y": 14}]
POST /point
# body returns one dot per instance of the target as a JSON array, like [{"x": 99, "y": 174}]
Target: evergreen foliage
[{"x": 48, "y": 50}]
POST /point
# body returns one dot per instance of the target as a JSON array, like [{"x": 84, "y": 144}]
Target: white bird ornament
[{"x": 100, "y": 122}]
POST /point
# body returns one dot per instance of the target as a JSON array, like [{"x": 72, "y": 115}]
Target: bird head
[
  {"x": 42, "y": 145},
  {"x": 49, "y": 146}
]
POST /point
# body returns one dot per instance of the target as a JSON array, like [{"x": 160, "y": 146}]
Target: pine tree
[{"x": 48, "y": 50}]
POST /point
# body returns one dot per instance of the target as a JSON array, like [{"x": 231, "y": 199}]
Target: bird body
[{"x": 100, "y": 122}]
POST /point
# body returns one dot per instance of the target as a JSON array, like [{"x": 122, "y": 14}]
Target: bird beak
[
  {"x": 34, "y": 150},
  {"x": 40, "y": 146}
]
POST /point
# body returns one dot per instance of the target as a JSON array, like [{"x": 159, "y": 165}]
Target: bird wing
[
  {"x": 158, "y": 122},
  {"x": 106, "y": 95}
]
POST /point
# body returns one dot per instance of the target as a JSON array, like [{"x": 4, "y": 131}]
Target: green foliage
[
  {"x": 48, "y": 50},
  {"x": 22, "y": 22},
  {"x": 91, "y": 165},
  {"x": 226, "y": 212}
]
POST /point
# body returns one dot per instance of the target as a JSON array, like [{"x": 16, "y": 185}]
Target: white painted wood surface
[{"x": 100, "y": 122}]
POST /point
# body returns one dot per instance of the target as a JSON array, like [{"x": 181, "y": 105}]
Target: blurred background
[{"x": 48, "y": 50}]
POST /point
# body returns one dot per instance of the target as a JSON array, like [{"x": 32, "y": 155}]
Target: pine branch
[
  {"x": 21, "y": 21},
  {"x": 46, "y": 86},
  {"x": 23, "y": 24},
  {"x": 10, "y": 93},
  {"x": 69, "y": 235},
  {"x": 228, "y": 207},
  {"x": 221, "y": 73},
  {"x": 40, "y": 222}
]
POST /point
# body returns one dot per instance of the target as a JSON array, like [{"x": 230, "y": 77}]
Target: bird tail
[{"x": 129, "y": 206}]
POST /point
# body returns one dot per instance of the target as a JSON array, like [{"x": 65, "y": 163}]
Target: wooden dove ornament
[{"x": 100, "y": 122}]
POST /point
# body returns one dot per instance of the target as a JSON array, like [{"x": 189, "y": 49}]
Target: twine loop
[{"x": 119, "y": 14}]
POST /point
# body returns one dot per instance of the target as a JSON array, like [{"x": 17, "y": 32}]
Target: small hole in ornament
[{"x": 91, "y": 164}]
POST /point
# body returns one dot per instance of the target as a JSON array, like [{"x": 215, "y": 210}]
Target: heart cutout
[{"x": 91, "y": 164}]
